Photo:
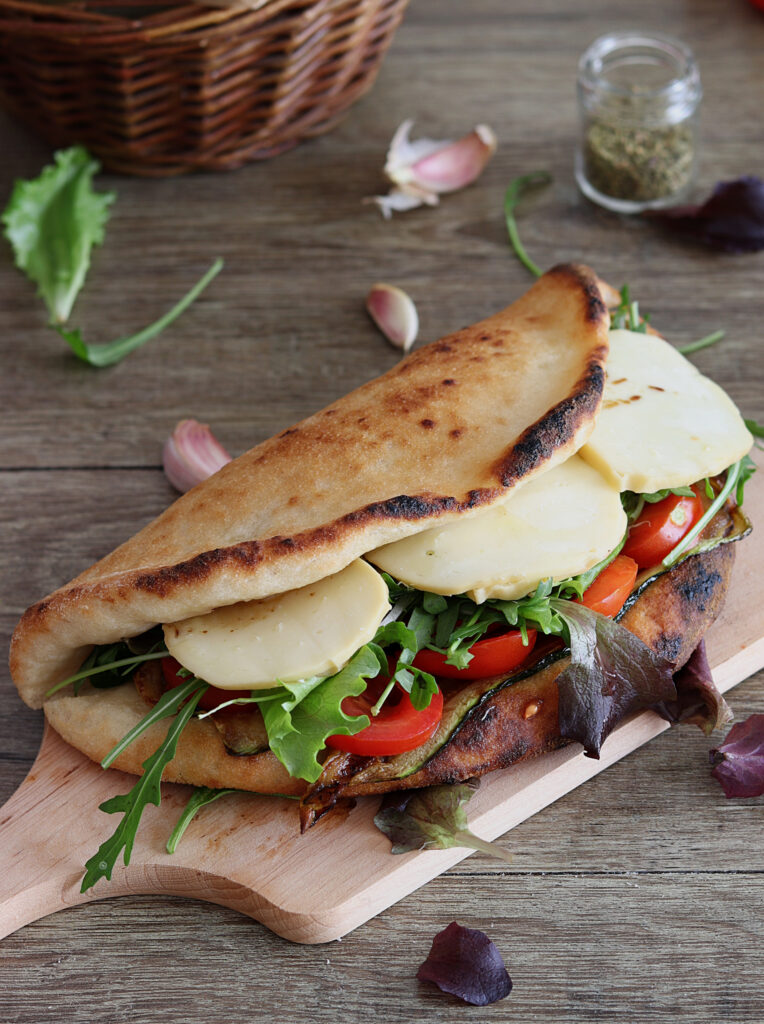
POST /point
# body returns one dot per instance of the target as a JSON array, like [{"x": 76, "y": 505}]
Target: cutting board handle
[{"x": 44, "y": 843}]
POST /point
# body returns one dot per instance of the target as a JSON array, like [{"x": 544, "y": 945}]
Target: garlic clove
[
  {"x": 423, "y": 170},
  {"x": 456, "y": 165},
  {"x": 191, "y": 454},
  {"x": 394, "y": 313}
]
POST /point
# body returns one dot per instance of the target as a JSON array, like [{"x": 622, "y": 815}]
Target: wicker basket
[{"x": 161, "y": 88}]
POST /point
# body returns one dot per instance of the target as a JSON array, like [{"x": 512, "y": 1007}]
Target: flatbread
[{"x": 448, "y": 431}]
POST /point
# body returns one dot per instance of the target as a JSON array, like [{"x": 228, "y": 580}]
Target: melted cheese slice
[
  {"x": 559, "y": 524},
  {"x": 302, "y": 633},
  {"x": 662, "y": 423}
]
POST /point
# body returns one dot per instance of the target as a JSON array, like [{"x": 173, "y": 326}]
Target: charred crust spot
[
  {"x": 39, "y": 609},
  {"x": 456, "y": 432},
  {"x": 286, "y": 542},
  {"x": 291, "y": 430},
  {"x": 477, "y": 497},
  {"x": 162, "y": 581},
  {"x": 698, "y": 589},
  {"x": 427, "y": 424},
  {"x": 553, "y": 430},
  {"x": 403, "y": 506},
  {"x": 449, "y": 382},
  {"x": 485, "y": 337},
  {"x": 668, "y": 646},
  {"x": 595, "y": 309},
  {"x": 443, "y": 346},
  {"x": 330, "y": 412}
]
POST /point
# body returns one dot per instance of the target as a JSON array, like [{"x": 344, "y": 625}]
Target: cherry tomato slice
[
  {"x": 397, "y": 728},
  {"x": 490, "y": 657},
  {"x": 609, "y": 591},
  {"x": 660, "y": 527},
  {"x": 210, "y": 699}
]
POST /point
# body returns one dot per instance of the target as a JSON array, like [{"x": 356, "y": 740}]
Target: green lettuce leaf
[
  {"x": 299, "y": 725},
  {"x": 53, "y": 222}
]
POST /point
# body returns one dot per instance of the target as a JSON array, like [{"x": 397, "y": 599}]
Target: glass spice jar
[{"x": 639, "y": 97}]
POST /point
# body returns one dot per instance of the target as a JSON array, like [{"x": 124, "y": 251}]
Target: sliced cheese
[
  {"x": 302, "y": 633},
  {"x": 558, "y": 525},
  {"x": 662, "y": 423}
]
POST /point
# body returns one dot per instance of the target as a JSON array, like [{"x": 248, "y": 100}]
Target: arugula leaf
[
  {"x": 432, "y": 819},
  {"x": 53, "y": 222},
  {"x": 199, "y": 798},
  {"x": 114, "y": 351},
  {"x": 633, "y": 503},
  {"x": 758, "y": 432},
  {"x": 299, "y": 725},
  {"x": 611, "y": 674},
  {"x": 747, "y": 469},
  {"x": 145, "y": 791},
  {"x": 106, "y": 659},
  {"x": 168, "y": 704},
  {"x": 515, "y": 192}
]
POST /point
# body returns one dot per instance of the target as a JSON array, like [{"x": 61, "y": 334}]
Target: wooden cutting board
[{"x": 246, "y": 852}]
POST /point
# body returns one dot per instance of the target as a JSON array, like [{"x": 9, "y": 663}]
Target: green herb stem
[
  {"x": 732, "y": 476},
  {"x": 115, "y": 351},
  {"x": 515, "y": 191},
  {"x": 88, "y": 672},
  {"x": 473, "y": 842},
  {"x": 696, "y": 346}
]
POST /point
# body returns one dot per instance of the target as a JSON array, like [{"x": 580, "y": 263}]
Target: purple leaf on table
[
  {"x": 739, "y": 761},
  {"x": 465, "y": 963},
  {"x": 731, "y": 219}
]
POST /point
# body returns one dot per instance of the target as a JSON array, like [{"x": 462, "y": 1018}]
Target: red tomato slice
[
  {"x": 607, "y": 595},
  {"x": 397, "y": 728},
  {"x": 660, "y": 527},
  {"x": 490, "y": 657},
  {"x": 211, "y": 697}
]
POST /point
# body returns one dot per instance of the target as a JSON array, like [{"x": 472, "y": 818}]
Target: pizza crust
[{"x": 451, "y": 429}]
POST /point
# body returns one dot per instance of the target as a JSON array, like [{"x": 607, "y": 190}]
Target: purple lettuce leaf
[
  {"x": 732, "y": 218},
  {"x": 698, "y": 700},
  {"x": 432, "y": 819},
  {"x": 612, "y": 674},
  {"x": 465, "y": 963},
  {"x": 739, "y": 761}
]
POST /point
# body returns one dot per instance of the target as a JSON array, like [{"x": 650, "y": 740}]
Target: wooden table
[{"x": 637, "y": 897}]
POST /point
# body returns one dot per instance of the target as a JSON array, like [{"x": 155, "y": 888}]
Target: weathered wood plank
[
  {"x": 645, "y": 947},
  {"x": 282, "y": 332}
]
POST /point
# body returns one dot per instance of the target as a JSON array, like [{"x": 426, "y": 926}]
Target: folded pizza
[{"x": 510, "y": 541}]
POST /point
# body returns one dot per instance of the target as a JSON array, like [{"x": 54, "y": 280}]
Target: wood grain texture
[{"x": 638, "y": 896}]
